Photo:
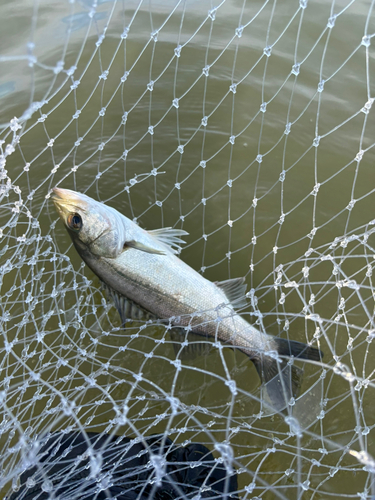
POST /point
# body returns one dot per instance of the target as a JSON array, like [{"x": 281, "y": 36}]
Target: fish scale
[{"x": 141, "y": 270}]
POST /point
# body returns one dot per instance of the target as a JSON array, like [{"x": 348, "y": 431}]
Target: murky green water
[{"x": 247, "y": 140}]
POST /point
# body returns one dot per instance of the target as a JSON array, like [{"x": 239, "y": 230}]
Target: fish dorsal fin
[
  {"x": 235, "y": 290},
  {"x": 169, "y": 237}
]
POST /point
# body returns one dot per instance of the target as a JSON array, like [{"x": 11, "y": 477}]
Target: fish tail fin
[{"x": 283, "y": 380}]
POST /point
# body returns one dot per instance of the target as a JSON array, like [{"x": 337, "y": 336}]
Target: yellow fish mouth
[
  {"x": 66, "y": 202},
  {"x": 59, "y": 201}
]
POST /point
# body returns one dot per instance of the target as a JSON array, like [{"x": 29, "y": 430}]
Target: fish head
[{"x": 91, "y": 225}]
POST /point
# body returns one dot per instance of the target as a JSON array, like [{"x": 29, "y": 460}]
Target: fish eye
[{"x": 74, "y": 222}]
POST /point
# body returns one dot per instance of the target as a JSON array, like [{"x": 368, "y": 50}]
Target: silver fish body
[
  {"x": 143, "y": 267},
  {"x": 167, "y": 287}
]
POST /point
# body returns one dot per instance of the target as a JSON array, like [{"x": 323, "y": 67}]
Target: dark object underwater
[{"x": 63, "y": 470}]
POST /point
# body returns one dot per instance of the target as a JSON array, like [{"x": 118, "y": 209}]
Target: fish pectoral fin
[
  {"x": 169, "y": 237},
  {"x": 235, "y": 290},
  {"x": 143, "y": 248}
]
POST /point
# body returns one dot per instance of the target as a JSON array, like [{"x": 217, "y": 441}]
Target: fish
[{"x": 145, "y": 277}]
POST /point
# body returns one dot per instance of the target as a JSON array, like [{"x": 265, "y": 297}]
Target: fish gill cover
[{"x": 251, "y": 126}]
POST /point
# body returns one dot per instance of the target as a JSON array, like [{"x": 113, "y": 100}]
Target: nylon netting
[{"x": 248, "y": 124}]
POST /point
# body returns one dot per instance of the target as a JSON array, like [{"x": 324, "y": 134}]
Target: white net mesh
[{"x": 250, "y": 125}]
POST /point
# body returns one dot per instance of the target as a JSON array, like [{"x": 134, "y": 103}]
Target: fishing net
[{"x": 248, "y": 124}]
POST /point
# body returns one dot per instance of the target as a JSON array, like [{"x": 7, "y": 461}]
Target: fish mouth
[
  {"x": 62, "y": 196},
  {"x": 59, "y": 198},
  {"x": 66, "y": 201},
  {"x": 58, "y": 193}
]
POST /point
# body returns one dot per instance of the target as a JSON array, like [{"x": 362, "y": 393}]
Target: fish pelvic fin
[
  {"x": 127, "y": 309},
  {"x": 283, "y": 380},
  {"x": 169, "y": 237},
  {"x": 235, "y": 290}
]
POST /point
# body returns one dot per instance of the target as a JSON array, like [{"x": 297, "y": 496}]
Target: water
[{"x": 246, "y": 139}]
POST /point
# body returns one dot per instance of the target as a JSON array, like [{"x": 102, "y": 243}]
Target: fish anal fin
[
  {"x": 169, "y": 237},
  {"x": 197, "y": 345},
  {"x": 127, "y": 309},
  {"x": 235, "y": 290}
]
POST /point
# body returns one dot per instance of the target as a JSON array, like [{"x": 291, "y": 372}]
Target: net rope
[{"x": 251, "y": 126}]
